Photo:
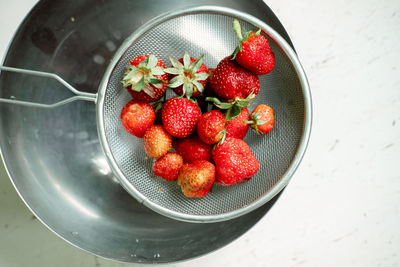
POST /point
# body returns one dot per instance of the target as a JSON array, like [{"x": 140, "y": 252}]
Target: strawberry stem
[
  {"x": 238, "y": 30},
  {"x": 228, "y": 114}
]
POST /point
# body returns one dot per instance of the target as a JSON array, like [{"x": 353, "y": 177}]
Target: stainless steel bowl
[{"x": 54, "y": 159}]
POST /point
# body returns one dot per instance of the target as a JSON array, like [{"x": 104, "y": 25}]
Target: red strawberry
[
  {"x": 168, "y": 166},
  {"x": 136, "y": 117},
  {"x": 180, "y": 116},
  {"x": 156, "y": 141},
  {"x": 189, "y": 76},
  {"x": 262, "y": 119},
  {"x": 192, "y": 149},
  {"x": 234, "y": 161},
  {"x": 197, "y": 178},
  {"x": 253, "y": 52},
  {"x": 210, "y": 127},
  {"x": 237, "y": 127},
  {"x": 231, "y": 81},
  {"x": 145, "y": 78}
]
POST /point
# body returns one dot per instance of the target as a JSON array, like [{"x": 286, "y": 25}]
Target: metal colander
[
  {"x": 203, "y": 30},
  {"x": 208, "y": 31}
]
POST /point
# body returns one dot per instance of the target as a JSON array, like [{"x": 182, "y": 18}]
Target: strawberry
[
  {"x": 253, "y": 52},
  {"x": 156, "y": 141},
  {"x": 210, "y": 127},
  {"x": 145, "y": 78},
  {"x": 237, "y": 127},
  {"x": 197, "y": 178},
  {"x": 180, "y": 116},
  {"x": 262, "y": 119},
  {"x": 137, "y": 117},
  {"x": 231, "y": 81},
  {"x": 234, "y": 161},
  {"x": 192, "y": 148},
  {"x": 189, "y": 76},
  {"x": 168, "y": 166}
]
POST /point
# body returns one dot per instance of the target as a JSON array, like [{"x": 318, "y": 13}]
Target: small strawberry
[
  {"x": 237, "y": 127},
  {"x": 197, "y": 178},
  {"x": 137, "y": 117},
  {"x": 234, "y": 161},
  {"x": 210, "y": 127},
  {"x": 231, "y": 81},
  {"x": 262, "y": 119},
  {"x": 192, "y": 149},
  {"x": 253, "y": 52},
  {"x": 156, "y": 141},
  {"x": 145, "y": 78},
  {"x": 168, "y": 166},
  {"x": 180, "y": 116},
  {"x": 189, "y": 76}
]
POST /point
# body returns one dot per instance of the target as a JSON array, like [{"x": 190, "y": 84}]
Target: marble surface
[{"x": 342, "y": 207}]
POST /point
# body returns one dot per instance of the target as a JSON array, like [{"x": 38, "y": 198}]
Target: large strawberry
[
  {"x": 136, "y": 117},
  {"x": 210, "y": 127},
  {"x": 168, "y": 166},
  {"x": 156, "y": 141},
  {"x": 180, "y": 116},
  {"x": 234, "y": 161},
  {"x": 262, "y": 119},
  {"x": 145, "y": 78},
  {"x": 231, "y": 81},
  {"x": 192, "y": 149},
  {"x": 188, "y": 76},
  {"x": 253, "y": 52},
  {"x": 197, "y": 178},
  {"x": 238, "y": 127}
]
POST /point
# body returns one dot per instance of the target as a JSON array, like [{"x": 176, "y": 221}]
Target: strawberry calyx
[
  {"x": 255, "y": 120},
  {"x": 186, "y": 75},
  {"x": 233, "y": 107},
  {"x": 142, "y": 77},
  {"x": 242, "y": 36}
]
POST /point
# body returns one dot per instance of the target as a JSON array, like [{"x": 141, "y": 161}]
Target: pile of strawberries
[{"x": 196, "y": 138}]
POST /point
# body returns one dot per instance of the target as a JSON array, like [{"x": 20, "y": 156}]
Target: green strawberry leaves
[
  {"x": 139, "y": 86},
  {"x": 233, "y": 113},
  {"x": 233, "y": 108},
  {"x": 141, "y": 78},
  {"x": 255, "y": 121},
  {"x": 186, "y": 75}
]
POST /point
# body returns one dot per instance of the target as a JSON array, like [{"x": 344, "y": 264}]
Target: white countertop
[{"x": 342, "y": 207}]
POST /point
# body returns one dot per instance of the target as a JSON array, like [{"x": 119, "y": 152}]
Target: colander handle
[{"x": 78, "y": 94}]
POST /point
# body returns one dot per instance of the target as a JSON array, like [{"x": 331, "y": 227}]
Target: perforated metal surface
[{"x": 209, "y": 33}]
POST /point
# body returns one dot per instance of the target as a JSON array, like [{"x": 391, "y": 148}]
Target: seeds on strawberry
[
  {"x": 168, "y": 166},
  {"x": 234, "y": 161},
  {"x": 180, "y": 116},
  {"x": 210, "y": 127},
  {"x": 231, "y": 81},
  {"x": 197, "y": 178},
  {"x": 137, "y": 117},
  {"x": 262, "y": 119},
  {"x": 237, "y": 127},
  {"x": 188, "y": 76},
  {"x": 145, "y": 78},
  {"x": 253, "y": 52},
  {"x": 156, "y": 141},
  {"x": 192, "y": 149}
]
